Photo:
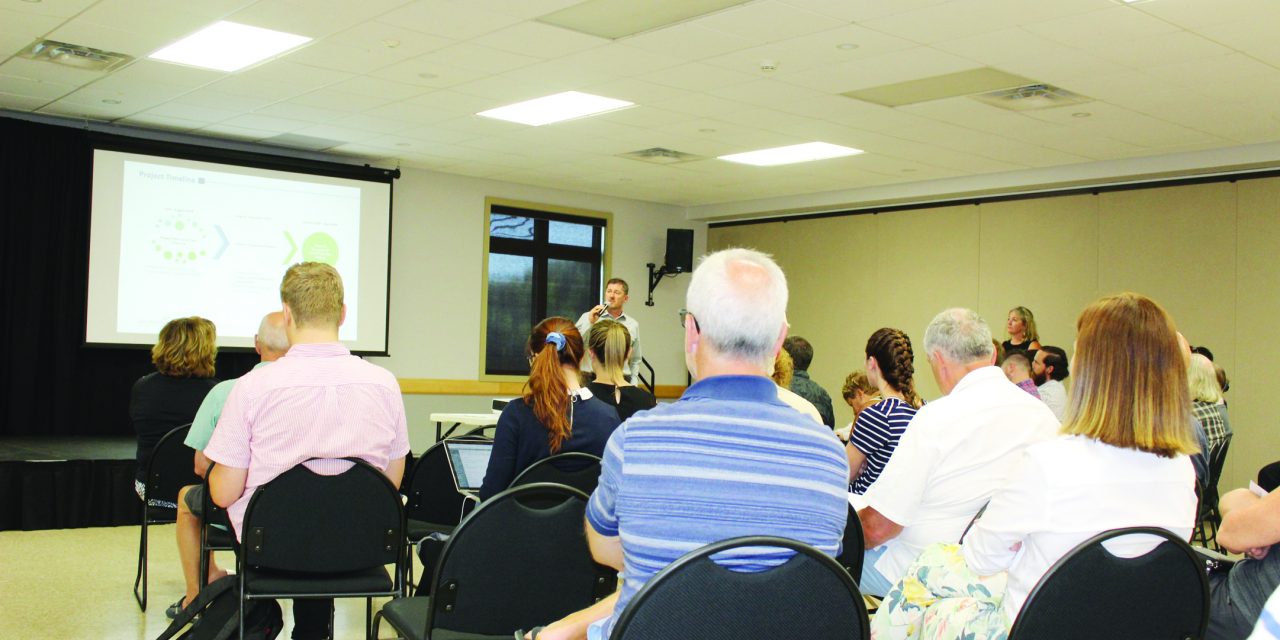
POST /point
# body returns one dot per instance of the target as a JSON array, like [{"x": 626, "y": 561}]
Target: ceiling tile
[
  {"x": 696, "y": 76},
  {"x": 909, "y": 64},
  {"x": 1114, "y": 24},
  {"x": 54, "y": 8},
  {"x": 48, "y": 72},
  {"x": 149, "y": 120},
  {"x": 179, "y": 111},
  {"x": 427, "y": 71},
  {"x": 300, "y": 112},
  {"x": 458, "y": 20},
  {"x": 21, "y": 102},
  {"x": 411, "y": 113},
  {"x": 862, "y": 10},
  {"x": 688, "y": 41},
  {"x": 539, "y": 40},
  {"x": 34, "y": 88},
  {"x": 98, "y": 111},
  {"x": 338, "y": 100},
  {"x": 1192, "y": 14},
  {"x": 282, "y": 72},
  {"x": 265, "y": 123},
  {"x": 237, "y": 133},
  {"x": 1167, "y": 48},
  {"x": 768, "y": 21},
  {"x": 26, "y": 26},
  {"x": 808, "y": 51},
  {"x": 298, "y": 17}
]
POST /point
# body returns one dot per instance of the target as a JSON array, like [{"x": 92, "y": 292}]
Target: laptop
[{"x": 468, "y": 461}]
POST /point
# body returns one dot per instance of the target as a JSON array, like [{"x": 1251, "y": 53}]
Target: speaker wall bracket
[{"x": 656, "y": 274}]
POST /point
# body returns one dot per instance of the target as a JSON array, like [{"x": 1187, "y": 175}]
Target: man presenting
[
  {"x": 1049, "y": 370},
  {"x": 318, "y": 401},
  {"x": 615, "y": 295},
  {"x": 956, "y": 452},
  {"x": 801, "y": 353},
  {"x": 728, "y": 459},
  {"x": 271, "y": 343}
]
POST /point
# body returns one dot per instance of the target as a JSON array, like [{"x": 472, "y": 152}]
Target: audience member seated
[
  {"x": 271, "y": 343},
  {"x": 1021, "y": 326},
  {"x": 859, "y": 394},
  {"x": 801, "y": 353},
  {"x": 958, "y": 450},
  {"x": 610, "y": 347},
  {"x": 1120, "y": 461},
  {"x": 1206, "y": 400},
  {"x": 169, "y": 397},
  {"x": 1250, "y": 526},
  {"x": 1049, "y": 369},
  {"x": 556, "y": 414},
  {"x": 1017, "y": 368},
  {"x": 879, "y": 427},
  {"x": 728, "y": 459},
  {"x": 782, "y": 370},
  {"x": 318, "y": 401}
]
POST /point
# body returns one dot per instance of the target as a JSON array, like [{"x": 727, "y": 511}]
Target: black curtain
[{"x": 50, "y": 383}]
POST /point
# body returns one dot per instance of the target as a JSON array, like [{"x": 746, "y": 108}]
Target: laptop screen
[{"x": 469, "y": 461}]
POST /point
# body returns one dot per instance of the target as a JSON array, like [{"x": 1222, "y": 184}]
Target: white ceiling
[{"x": 399, "y": 80}]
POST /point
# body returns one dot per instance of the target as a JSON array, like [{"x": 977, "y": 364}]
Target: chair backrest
[
  {"x": 519, "y": 560},
  {"x": 1217, "y": 460},
  {"x": 575, "y": 469},
  {"x": 213, "y": 514},
  {"x": 307, "y": 522},
  {"x": 485, "y": 432},
  {"x": 809, "y": 596},
  {"x": 853, "y": 546},
  {"x": 430, "y": 489},
  {"x": 171, "y": 467},
  {"x": 1090, "y": 593}
]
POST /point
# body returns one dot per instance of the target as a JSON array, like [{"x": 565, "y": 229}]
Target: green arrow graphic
[{"x": 293, "y": 247}]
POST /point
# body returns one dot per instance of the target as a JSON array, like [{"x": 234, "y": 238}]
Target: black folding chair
[
  {"x": 1090, "y": 593},
  {"x": 1207, "y": 513},
  {"x": 575, "y": 469},
  {"x": 170, "y": 468},
  {"x": 307, "y": 535},
  {"x": 809, "y": 596},
  {"x": 853, "y": 546},
  {"x": 215, "y": 529},
  {"x": 519, "y": 560},
  {"x": 432, "y": 501}
]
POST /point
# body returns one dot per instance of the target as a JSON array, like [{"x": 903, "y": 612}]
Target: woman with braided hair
[
  {"x": 878, "y": 428},
  {"x": 556, "y": 414}
]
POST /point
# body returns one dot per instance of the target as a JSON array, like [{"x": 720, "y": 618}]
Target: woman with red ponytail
[{"x": 556, "y": 414}]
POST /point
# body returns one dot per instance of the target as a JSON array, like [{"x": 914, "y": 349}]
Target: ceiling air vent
[
  {"x": 1030, "y": 97},
  {"x": 658, "y": 155},
  {"x": 74, "y": 55}
]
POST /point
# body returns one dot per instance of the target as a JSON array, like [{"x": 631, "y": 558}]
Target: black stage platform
[{"x": 67, "y": 482}]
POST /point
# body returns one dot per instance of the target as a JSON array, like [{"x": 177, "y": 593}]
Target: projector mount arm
[{"x": 656, "y": 274}]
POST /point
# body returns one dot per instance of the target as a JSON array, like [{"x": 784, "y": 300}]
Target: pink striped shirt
[{"x": 318, "y": 401}]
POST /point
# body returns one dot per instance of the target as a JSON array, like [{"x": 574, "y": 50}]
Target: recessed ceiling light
[
  {"x": 846, "y": 46},
  {"x": 556, "y": 108},
  {"x": 792, "y": 154},
  {"x": 228, "y": 46}
]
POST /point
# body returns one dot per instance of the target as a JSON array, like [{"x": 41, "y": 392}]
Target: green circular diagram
[{"x": 320, "y": 247}]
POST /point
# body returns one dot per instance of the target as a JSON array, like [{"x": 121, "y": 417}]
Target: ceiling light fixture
[
  {"x": 1081, "y": 114},
  {"x": 110, "y": 101},
  {"x": 846, "y": 46},
  {"x": 556, "y": 108},
  {"x": 229, "y": 46},
  {"x": 805, "y": 152}
]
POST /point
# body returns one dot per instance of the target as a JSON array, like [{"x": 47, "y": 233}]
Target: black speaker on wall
[{"x": 679, "y": 250}]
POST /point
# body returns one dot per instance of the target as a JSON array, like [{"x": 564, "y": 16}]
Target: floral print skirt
[{"x": 941, "y": 598}]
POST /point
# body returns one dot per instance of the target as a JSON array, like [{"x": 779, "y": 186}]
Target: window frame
[{"x": 540, "y": 252}]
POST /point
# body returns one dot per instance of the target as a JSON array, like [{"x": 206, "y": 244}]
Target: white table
[{"x": 459, "y": 419}]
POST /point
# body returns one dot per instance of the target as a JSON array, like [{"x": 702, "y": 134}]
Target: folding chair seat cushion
[{"x": 365, "y": 580}]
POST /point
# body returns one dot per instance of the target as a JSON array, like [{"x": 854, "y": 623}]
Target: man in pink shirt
[{"x": 318, "y": 401}]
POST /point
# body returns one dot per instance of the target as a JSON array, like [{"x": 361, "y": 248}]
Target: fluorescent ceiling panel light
[
  {"x": 615, "y": 19},
  {"x": 792, "y": 154},
  {"x": 556, "y": 108},
  {"x": 228, "y": 46},
  {"x": 950, "y": 85}
]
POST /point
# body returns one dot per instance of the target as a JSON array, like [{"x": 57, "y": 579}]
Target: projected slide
[
  {"x": 173, "y": 237},
  {"x": 211, "y": 239}
]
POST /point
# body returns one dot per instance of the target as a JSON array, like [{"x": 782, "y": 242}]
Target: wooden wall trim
[{"x": 440, "y": 387}]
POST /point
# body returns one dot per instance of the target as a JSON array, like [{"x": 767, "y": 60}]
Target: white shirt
[
  {"x": 1065, "y": 491},
  {"x": 956, "y": 452},
  {"x": 632, "y": 367},
  {"x": 795, "y": 401},
  {"x": 1054, "y": 394}
]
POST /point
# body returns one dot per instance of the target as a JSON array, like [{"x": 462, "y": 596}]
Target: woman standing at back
[
  {"x": 556, "y": 414},
  {"x": 878, "y": 427},
  {"x": 1021, "y": 326},
  {"x": 609, "y": 344}
]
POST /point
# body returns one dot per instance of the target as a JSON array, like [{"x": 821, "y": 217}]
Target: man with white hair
[
  {"x": 956, "y": 451},
  {"x": 728, "y": 459}
]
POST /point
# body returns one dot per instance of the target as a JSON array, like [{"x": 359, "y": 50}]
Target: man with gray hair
[
  {"x": 955, "y": 453},
  {"x": 271, "y": 343},
  {"x": 728, "y": 459}
]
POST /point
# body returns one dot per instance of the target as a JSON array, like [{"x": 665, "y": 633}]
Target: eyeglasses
[{"x": 686, "y": 312}]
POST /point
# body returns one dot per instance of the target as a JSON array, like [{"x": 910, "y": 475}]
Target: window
[{"x": 542, "y": 262}]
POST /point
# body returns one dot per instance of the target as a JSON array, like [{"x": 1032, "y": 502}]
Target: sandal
[{"x": 175, "y": 608}]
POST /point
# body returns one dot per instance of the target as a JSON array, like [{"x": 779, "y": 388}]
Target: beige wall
[
  {"x": 1207, "y": 252},
  {"x": 437, "y": 253}
]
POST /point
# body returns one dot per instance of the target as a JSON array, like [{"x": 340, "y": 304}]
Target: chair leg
[
  {"x": 376, "y": 625},
  {"x": 141, "y": 578},
  {"x": 241, "y": 603},
  {"x": 204, "y": 555},
  {"x": 368, "y": 619}
]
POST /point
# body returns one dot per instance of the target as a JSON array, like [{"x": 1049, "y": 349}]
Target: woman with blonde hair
[
  {"x": 1021, "y": 326},
  {"x": 879, "y": 427},
  {"x": 169, "y": 397},
  {"x": 1120, "y": 460},
  {"x": 556, "y": 414},
  {"x": 609, "y": 346},
  {"x": 783, "y": 372},
  {"x": 858, "y": 393}
]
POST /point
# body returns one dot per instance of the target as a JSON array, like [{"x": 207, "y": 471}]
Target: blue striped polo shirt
[
  {"x": 728, "y": 459},
  {"x": 876, "y": 435}
]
